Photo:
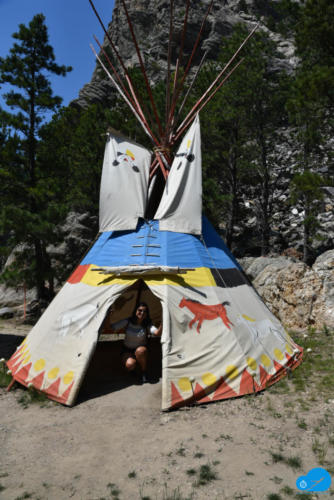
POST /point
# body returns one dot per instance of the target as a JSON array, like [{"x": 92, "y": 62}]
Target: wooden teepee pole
[
  {"x": 169, "y": 123},
  {"x": 202, "y": 104},
  {"x": 112, "y": 45},
  {"x": 196, "y": 43},
  {"x": 115, "y": 72},
  {"x": 195, "y": 109},
  {"x": 186, "y": 72},
  {"x": 191, "y": 86},
  {"x": 148, "y": 87},
  {"x": 109, "y": 38},
  {"x": 136, "y": 112},
  {"x": 169, "y": 57}
]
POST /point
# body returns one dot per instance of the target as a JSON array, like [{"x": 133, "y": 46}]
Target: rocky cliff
[
  {"x": 299, "y": 295},
  {"x": 150, "y": 19}
]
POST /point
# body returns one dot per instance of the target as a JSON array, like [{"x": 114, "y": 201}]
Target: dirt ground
[{"x": 116, "y": 443}]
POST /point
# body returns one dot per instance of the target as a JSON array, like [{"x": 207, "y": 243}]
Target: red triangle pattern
[
  {"x": 78, "y": 274},
  {"x": 15, "y": 368},
  {"x": 22, "y": 374},
  {"x": 223, "y": 391},
  {"x": 176, "y": 398},
  {"x": 53, "y": 389},
  {"x": 280, "y": 370},
  {"x": 11, "y": 362},
  {"x": 248, "y": 384},
  {"x": 200, "y": 394},
  {"x": 264, "y": 378},
  {"x": 37, "y": 381},
  {"x": 65, "y": 395}
]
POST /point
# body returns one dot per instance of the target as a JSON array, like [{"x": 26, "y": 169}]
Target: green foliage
[
  {"x": 281, "y": 15},
  {"x": 320, "y": 450},
  {"x": 305, "y": 189},
  {"x": 274, "y": 496},
  {"x": 308, "y": 185},
  {"x": 24, "y": 496},
  {"x": 24, "y": 69},
  {"x": 191, "y": 472},
  {"x": 181, "y": 451},
  {"x": 315, "y": 32},
  {"x": 310, "y": 107},
  {"x": 32, "y": 396},
  {"x": 114, "y": 490},
  {"x": 287, "y": 490},
  {"x": 238, "y": 129},
  {"x": 317, "y": 360},
  {"x": 5, "y": 378},
  {"x": 206, "y": 475},
  {"x": 293, "y": 462},
  {"x": 173, "y": 495},
  {"x": 29, "y": 185}
]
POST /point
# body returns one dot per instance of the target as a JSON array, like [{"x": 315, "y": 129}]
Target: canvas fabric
[
  {"x": 56, "y": 353},
  {"x": 213, "y": 352},
  {"x": 124, "y": 184},
  {"x": 180, "y": 209},
  {"x": 219, "y": 340}
]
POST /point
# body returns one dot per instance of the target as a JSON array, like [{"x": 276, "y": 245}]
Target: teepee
[{"x": 219, "y": 340}]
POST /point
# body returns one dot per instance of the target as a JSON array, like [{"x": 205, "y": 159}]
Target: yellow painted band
[{"x": 199, "y": 277}]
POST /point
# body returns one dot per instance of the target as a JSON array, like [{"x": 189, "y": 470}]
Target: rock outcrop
[
  {"x": 78, "y": 233},
  {"x": 150, "y": 20},
  {"x": 300, "y": 296}
]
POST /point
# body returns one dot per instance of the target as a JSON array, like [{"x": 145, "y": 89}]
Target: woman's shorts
[{"x": 130, "y": 352}]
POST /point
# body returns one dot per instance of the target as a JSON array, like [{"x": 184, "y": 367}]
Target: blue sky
[{"x": 71, "y": 25}]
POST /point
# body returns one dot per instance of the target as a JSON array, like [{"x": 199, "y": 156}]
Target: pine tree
[
  {"x": 29, "y": 210},
  {"x": 311, "y": 109},
  {"x": 241, "y": 128}
]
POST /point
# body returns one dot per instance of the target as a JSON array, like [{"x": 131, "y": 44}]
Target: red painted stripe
[{"x": 78, "y": 274}]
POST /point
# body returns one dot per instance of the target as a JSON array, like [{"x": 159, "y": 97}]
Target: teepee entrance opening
[
  {"x": 106, "y": 372},
  {"x": 125, "y": 304}
]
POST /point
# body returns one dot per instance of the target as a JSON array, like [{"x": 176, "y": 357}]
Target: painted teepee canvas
[{"x": 219, "y": 339}]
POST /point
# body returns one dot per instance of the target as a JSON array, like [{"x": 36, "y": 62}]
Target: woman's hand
[{"x": 159, "y": 331}]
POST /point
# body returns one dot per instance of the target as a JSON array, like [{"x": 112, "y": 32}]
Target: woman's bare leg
[
  {"x": 141, "y": 357},
  {"x": 129, "y": 362}
]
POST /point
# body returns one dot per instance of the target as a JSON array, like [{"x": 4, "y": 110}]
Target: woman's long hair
[{"x": 147, "y": 321}]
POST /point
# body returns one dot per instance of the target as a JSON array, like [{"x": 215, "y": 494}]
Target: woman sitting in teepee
[{"x": 137, "y": 329}]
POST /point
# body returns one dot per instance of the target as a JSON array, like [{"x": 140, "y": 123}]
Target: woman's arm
[{"x": 158, "y": 332}]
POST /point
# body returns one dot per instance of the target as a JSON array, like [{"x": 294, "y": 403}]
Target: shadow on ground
[
  {"x": 8, "y": 344},
  {"x": 106, "y": 373}
]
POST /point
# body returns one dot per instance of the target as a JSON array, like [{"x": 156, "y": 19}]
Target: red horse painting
[{"x": 203, "y": 311}]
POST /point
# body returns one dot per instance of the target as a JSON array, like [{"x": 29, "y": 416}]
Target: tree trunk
[
  {"x": 265, "y": 226},
  {"x": 42, "y": 291},
  {"x": 232, "y": 162},
  {"x": 306, "y": 234}
]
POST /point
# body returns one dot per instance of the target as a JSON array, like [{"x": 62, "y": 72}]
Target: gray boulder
[
  {"x": 6, "y": 313},
  {"x": 298, "y": 295}
]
